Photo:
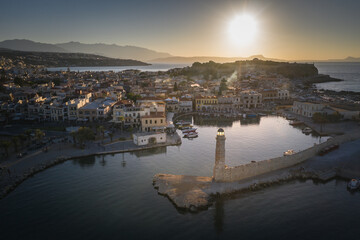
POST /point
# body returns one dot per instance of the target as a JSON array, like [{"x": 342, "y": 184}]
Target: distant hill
[
  {"x": 190, "y": 60},
  {"x": 27, "y": 45},
  {"x": 57, "y": 59},
  {"x": 107, "y": 50}
]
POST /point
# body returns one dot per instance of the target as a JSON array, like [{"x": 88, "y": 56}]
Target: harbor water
[{"x": 112, "y": 197}]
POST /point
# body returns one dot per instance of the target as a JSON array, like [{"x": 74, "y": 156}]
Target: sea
[
  {"x": 112, "y": 196},
  {"x": 347, "y": 71}
]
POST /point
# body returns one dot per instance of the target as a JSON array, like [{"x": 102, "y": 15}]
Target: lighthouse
[{"x": 219, "y": 155}]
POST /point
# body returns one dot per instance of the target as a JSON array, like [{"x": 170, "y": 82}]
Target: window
[
  {"x": 146, "y": 121},
  {"x": 155, "y": 122},
  {"x": 150, "y": 121},
  {"x": 161, "y": 121}
]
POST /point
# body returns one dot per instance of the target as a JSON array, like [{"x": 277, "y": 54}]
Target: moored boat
[
  {"x": 353, "y": 184},
  {"x": 294, "y": 123},
  {"x": 187, "y": 130},
  {"x": 191, "y": 135},
  {"x": 307, "y": 130},
  {"x": 289, "y": 152}
]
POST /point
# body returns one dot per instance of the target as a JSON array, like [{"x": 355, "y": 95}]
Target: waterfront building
[
  {"x": 307, "y": 109},
  {"x": 185, "y": 104},
  {"x": 127, "y": 113},
  {"x": 148, "y": 138},
  {"x": 153, "y": 122},
  {"x": 250, "y": 99},
  {"x": 206, "y": 103}
]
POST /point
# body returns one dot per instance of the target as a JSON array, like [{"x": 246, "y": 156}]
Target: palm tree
[{"x": 101, "y": 129}]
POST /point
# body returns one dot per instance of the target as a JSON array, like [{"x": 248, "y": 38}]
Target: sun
[{"x": 242, "y": 30}]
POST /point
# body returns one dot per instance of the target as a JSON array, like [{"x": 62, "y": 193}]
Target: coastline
[{"x": 39, "y": 161}]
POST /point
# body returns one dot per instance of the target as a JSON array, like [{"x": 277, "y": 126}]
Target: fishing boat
[
  {"x": 307, "y": 130},
  {"x": 191, "y": 135},
  {"x": 187, "y": 130},
  {"x": 353, "y": 184},
  {"x": 289, "y": 152}
]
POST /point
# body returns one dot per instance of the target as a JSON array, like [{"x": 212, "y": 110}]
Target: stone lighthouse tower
[{"x": 219, "y": 155}]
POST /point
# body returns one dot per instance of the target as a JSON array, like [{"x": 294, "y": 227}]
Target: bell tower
[{"x": 219, "y": 155}]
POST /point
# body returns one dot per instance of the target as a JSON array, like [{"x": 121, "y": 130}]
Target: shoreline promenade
[{"x": 14, "y": 170}]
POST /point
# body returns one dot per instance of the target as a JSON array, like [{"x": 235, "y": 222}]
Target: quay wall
[{"x": 230, "y": 174}]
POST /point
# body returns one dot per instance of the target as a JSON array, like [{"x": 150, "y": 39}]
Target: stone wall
[{"x": 257, "y": 168}]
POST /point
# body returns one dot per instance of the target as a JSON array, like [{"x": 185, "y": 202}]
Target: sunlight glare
[{"x": 242, "y": 30}]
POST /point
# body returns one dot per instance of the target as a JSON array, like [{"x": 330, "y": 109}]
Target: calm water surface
[
  {"x": 349, "y": 72},
  {"x": 112, "y": 197},
  {"x": 149, "y": 68}
]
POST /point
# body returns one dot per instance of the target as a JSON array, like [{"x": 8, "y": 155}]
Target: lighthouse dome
[{"x": 220, "y": 132}]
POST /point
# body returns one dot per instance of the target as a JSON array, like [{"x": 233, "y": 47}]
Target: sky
[{"x": 286, "y": 29}]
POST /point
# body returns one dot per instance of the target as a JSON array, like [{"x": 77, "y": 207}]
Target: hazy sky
[{"x": 291, "y": 29}]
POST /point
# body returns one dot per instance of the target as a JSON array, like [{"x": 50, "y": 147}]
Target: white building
[
  {"x": 283, "y": 94},
  {"x": 307, "y": 109},
  {"x": 146, "y": 138},
  {"x": 185, "y": 105}
]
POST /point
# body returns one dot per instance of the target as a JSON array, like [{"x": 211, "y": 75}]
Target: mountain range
[
  {"x": 106, "y": 50},
  {"x": 133, "y": 52}
]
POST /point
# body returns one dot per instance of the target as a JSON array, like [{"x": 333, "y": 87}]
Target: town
[{"x": 134, "y": 104}]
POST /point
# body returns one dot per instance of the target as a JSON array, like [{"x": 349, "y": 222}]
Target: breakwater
[{"x": 237, "y": 173}]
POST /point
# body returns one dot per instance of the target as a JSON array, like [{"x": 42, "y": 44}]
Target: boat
[
  {"x": 353, "y": 184},
  {"x": 191, "y": 135},
  {"x": 295, "y": 123},
  {"x": 328, "y": 149},
  {"x": 187, "y": 130},
  {"x": 290, "y": 117},
  {"x": 307, "y": 130},
  {"x": 185, "y": 125},
  {"x": 251, "y": 115},
  {"x": 289, "y": 152}
]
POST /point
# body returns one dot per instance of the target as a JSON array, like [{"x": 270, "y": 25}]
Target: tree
[
  {"x": 319, "y": 118},
  {"x": 101, "y": 130},
  {"x": 223, "y": 86},
  {"x": 111, "y": 135},
  {"x": 15, "y": 142},
  {"x": 28, "y": 133},
  {"x": 39, "y": 135},
  {"x": 5, "y": 145},
  {"x": 152, "y": 140},
  {"x": 176, "y": 87},
  {"x": 83, "y": 135},
  {"x": 132, "y": 96}
]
